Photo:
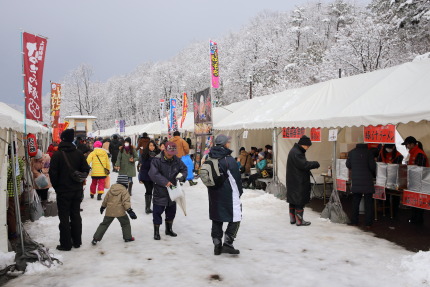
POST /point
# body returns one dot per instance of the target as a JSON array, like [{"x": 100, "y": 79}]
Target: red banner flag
[
  {"x": 55, "y": 103},
  {"x": 184, "y": 108},
  {"x": 293, "y": 133},
  {"x": 34, "y": 48},
  {"x": 316, "y": 134}
]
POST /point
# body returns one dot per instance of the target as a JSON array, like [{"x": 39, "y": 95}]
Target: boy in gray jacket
[{"x": 116, "y": 203}]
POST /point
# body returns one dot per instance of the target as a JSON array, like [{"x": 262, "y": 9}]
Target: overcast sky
[{"x": 112, "y": 36}]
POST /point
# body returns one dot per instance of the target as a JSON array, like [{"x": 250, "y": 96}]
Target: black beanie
[
  {"x": 128, "y": 140},
  {"x": 68, "y": 135},
  {"x": 304, "y": 140}
]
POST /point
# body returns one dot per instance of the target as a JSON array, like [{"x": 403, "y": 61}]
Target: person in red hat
[{"x": 164, "y": 171}]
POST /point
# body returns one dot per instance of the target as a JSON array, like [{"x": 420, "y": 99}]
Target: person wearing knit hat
[
  {"x": 68, "y": 190},
  {"x": 100, "y": 163},
  {"x": 298, "y": 180},
  {"x": 68, "y": 135},
  {"x": 126, "y": 162},
  {"x": 117, "y": 203}
]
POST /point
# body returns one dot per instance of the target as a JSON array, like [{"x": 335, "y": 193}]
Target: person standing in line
[
  {"x": 298, "y": 180},
  {"x": 99, "y": 161},
  {"x": 116, "y": 203},
  {"x": 182, "y": 148},
  {"x": 146, "y": 157},
  {"x": 69, "y": 192},
  {"x": 114, "y": 149},
  {"x": 418, "y": 157},
  {"x": 125, "y": 163},
  {"x": 361, "y": 162},
  {"x": 224, "y": 200},
  {"x": 164, "y": 171}
]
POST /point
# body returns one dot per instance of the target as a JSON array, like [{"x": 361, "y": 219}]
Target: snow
[{"x": 273, "y": 252}]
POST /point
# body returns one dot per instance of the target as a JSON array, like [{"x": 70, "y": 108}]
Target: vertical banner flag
[
  {"x": 184, "y": 108},
  {"x": 122, "y": 126},
  {"x": 202, "y": 113},
  {"x": 34, "y": 48},
  {"x": 214, "y": 64},
  {"x": 173, "y": 126},
  {"x": 116, "y": 126},
  {"x": 55, "y": 110}
]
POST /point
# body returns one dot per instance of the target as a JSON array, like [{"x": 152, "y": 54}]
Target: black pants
[
  {"x": 69, "y": 204},
  {"x": 43, "y": 193},
  {"x": 149, "y": 186},
  {"x": 368, "y": 208},
  {"x": 252, "y": 178},
  {"x": 158, "y": 210},
  {"x": 232, "y": 229}
]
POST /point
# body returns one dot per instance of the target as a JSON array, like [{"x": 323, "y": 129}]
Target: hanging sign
[
  {"x": 162, "y": 111},
  {"x": 31, "y": 145},
  {"x": 202, "y": 108},
  {"x": 380, "y": 134},
  {"x": 34, "y": 48},
  {"x": 316, "y": 134},
  {"x": 332, "y": 135},
  {"x": 416, "y": 199},
  {"x": 245, "y": 134},
  {"x": 293, "y": 133},
  {"x": 379, "y": 193}
]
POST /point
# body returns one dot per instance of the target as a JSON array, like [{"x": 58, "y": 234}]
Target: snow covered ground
[{"x": 273, "y": 252}]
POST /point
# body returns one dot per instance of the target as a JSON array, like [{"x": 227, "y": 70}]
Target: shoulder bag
[
  {"x": 76, "y": 175},
  {"x": 107, "y": 172}
]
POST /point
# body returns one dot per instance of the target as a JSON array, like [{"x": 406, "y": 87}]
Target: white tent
[{"x": 12, "y": 121}]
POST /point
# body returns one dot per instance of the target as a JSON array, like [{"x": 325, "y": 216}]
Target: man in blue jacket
[
  {"x": 224, "y": 200},
  {"x": 164, "y": 170}
]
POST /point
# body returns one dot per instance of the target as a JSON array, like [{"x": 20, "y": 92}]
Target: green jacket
[{"x": 123, "y": 161}]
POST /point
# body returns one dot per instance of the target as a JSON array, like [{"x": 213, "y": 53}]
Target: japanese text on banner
[
  {"x": 380, "y": 134},
  {"x": 293, "y": 133},
  {"x": 214, "y": 64},
  {"x": 316, "y": 134},
  {"x": 34, "y": 48}
]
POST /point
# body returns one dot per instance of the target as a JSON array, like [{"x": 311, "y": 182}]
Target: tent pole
[
  {"x": 275, "y": 152},
  {"x": 15, "y": 189}
]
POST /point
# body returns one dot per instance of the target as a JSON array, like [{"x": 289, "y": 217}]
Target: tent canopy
[{"x": 11, "y": 118}]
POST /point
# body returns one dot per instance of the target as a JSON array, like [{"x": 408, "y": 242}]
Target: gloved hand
[
  {"x": 317, "y": 164},
  {"x": 131, "y": 213},
  {"x": 181, "y": 179},
  {"x": 102, "y": 209}
]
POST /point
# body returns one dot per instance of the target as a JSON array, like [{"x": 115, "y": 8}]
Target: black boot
[
  {"x": 92, "y": 195},
  {"x": 148, "y": 199},
  {"x": 130, "y": 186},
  {"x": 292, "y": 215},
  {"x": 157, "y": 232},
  {"x": 169, "y": 230},
  {"x": 217, "y": 246},
  {"x": 192, "y": 182},
  {"x": 228, "y": 245},
  {"x": 299, "y": 218},
  {"x": 99, "y": 196}
]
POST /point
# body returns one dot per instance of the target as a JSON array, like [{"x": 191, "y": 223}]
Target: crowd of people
[{"x": 162, "y": 164}]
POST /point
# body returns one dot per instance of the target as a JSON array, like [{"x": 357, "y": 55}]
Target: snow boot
[
  {"x": 169, "y": 230},
  {"x": 99, "y": 196},
  {"x": 130, "y": 187},
  {"x": 192, "y": 182},
  {"x": 92, "y": 195},
  {"x": 157, "y": 232},
  {"x": 129, "y": 240},
  {"x": 148, "y": 199},
  {"x": 292, "y": 215},
  {"x": 217, "y": 246},
  {"x": 228, "y": 245},
  {"x": 94, "y": 242},
  {"x": 299, "y": 218}
]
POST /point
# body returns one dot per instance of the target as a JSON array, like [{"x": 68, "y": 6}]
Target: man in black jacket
[
  {"x": 224, "y": 200},
  {"x": 114, "y": 149},
  {"x": 165, "y": 167},
  {"x": 298, "y": 180},
  {"x": 361, "y": 162},
  {"x": 69, "y": 192}
]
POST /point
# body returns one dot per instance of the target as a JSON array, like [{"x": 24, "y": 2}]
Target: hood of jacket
[
  {"x": 219, "y": 152},
  {"x": 66, "y": 146},
  {"x": 116, "y": 189},
  {"x": 244, "y": 153},
  {"x": 300, "y": 148},
  {"x": 99, "y": 151}
]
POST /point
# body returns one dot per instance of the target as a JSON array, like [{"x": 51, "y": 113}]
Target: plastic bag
[
  {"x": 334, "y": 211},
  {"x": 177, "y": 194},
  {"x": 36, "y": 209},
  {"x": 107, "y": 182}
]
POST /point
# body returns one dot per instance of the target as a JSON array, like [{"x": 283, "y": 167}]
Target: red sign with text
[
  {"x": 34, "y": 48},
  {"x": 341, "y": 184},
  {"x": 316, "y": 134},
  {"x": 416, "y": 199},
  {"x": 379, "y": 193},
  {"x": 293, "y": 133},
  {"x": 380, "y": 134}
]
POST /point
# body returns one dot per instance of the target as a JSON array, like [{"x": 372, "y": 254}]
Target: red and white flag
[{"x": 34, "y": 48}]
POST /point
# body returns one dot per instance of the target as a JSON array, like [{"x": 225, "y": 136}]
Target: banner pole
[{"x": 23, "y": 85}]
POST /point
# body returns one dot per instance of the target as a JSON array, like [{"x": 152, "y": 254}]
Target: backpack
[{"x": 211, "y": 174}]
